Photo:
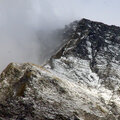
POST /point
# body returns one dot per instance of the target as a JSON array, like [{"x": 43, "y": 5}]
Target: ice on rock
[{"x": 80, "y": 81}]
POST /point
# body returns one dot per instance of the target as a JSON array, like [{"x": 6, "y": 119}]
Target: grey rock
[{"x": 80, "y": 81}]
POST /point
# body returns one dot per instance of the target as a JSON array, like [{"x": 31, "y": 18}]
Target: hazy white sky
[
  {"x": 68, "y": 10},
  {"x": 20, "y": 20}
]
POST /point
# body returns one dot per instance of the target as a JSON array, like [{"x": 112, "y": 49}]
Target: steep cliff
[{"x": 80, "y": 81}]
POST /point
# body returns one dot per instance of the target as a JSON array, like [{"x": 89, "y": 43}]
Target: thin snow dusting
[{"x": 76, "y": 70}]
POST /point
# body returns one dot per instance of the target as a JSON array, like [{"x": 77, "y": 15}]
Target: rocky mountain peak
[
  {"x": 87, "y": 38},
  {"x": 94, "y": 42},
  {"x": 80, "y": 81}
]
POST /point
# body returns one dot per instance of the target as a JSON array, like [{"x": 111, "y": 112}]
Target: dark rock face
[
  {"x": 80, "y": 82},
  {"x": 93, "y": 41},
  {"x": 98, "y": 34}
]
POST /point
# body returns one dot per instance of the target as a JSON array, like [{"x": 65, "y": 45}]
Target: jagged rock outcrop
[{"x": 80, "y": 82}]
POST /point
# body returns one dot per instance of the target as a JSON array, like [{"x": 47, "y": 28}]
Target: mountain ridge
[{"x": 79, "y": 82}]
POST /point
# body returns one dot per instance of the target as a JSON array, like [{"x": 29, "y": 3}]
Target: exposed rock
[{"x": 80, "y": 82}]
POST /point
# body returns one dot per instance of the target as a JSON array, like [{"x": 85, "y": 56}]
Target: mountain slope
[
  {"x": 80, "y": 82},
  {"x": 97, "y": 46}
]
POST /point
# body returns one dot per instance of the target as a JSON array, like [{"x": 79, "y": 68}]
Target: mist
[
  {"x": 27, "y": 26},
  {"x": 25, "y": 31}
]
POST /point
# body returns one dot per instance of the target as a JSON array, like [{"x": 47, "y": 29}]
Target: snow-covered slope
[
  {"x": 91, "y": 54},
  {"x": 91, "y": 58},
  {"x": 80, "y": 82}
]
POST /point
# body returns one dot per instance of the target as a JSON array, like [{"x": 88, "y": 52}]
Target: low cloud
[{"x": 25, "y": 31}]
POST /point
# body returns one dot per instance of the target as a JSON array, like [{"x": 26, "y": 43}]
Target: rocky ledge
[{"x": 80, "y": 82}]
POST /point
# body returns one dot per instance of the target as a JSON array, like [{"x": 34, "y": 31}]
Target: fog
[
  {"x": 26, "y": 25},
  {"x": 25, "y": 31}
]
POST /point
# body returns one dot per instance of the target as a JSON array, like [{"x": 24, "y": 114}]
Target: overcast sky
[
  {"x": 68, "y": 10},
  {"x": 20, "y": 20}
]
